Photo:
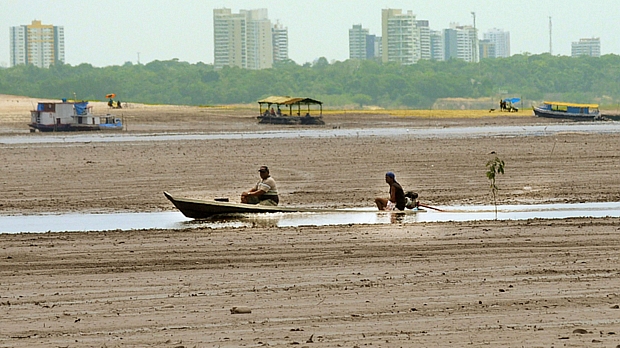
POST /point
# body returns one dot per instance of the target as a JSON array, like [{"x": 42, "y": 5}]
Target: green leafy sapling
[{"x": 495, "y": 167}]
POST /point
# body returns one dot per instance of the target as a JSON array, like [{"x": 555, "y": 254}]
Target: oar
[{"x": 429, "y": 207}]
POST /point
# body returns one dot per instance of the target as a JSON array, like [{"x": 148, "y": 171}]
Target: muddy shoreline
[{"x": 497, "y": 283}]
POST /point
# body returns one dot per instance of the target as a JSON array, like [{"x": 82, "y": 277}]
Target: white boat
[{"x": 70, "y": 116}]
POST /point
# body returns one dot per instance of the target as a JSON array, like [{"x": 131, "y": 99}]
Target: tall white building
[
  {"x": 38, "y": 44},
  {"x": 259, "y": 44},
  {"x": 376, "y": 50},
  {"x": 357, "y": 42},
  {"x": 244, "y": 40},
  {"x": 461, "y": 42},
  {"x": 424, "y": 33},
  {"x": 437, "y": 45},
  {"x": 280, "y": 43},
  {"x": 586, "y": 47},
  {"x": 400, "y": 37},
  {"x": 500, "y": 40}
]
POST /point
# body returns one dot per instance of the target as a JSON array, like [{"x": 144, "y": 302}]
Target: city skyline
[{"x": 137, "y": 30}]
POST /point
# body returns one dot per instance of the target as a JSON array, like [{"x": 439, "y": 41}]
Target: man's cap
[
  {"x": 263, "y": 169},
  {"x": 391, "y": 175}
]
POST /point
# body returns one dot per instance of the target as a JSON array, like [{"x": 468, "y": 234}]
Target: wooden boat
[
  {"x": 201, "y": 209},
  {"x": 571, "y": 111},
  {"x": 70, "y": 116}
]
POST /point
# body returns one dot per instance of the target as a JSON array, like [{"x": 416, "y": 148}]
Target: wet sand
[{"x": 497, "y": 283}]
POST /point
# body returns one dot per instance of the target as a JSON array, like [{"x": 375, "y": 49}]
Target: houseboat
[
  {"x": 571, "y": 111},
  {"x": 267, "y": 113},
  {"x": 70, "y": 116}
]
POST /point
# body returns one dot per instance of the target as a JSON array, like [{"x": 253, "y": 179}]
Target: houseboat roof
[
  {"x": 572, "y": 104},
  {"x": 286, "y": 100}
]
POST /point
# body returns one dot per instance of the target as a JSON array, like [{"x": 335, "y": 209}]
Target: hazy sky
[{"x": 113, "y": 32}]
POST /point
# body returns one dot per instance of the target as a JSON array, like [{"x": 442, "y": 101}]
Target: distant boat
[
  {"x": 271, "y": 116},
  {"x": 70, "y": 116},
  {"x": 571, "y": 111}
]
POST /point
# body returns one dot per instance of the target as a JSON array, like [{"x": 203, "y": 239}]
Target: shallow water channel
[
  {"x": 422, "y": 133},
  {"x": 175, "y": 220}
]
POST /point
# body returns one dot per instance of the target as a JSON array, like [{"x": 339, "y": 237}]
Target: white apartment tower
[
  {"x": 259, "y": 44},
  {"x": 586, "y": 47},
  {"x": 437, "y": 45},
  {"x": 357, "y": 42},
  {"x": 461, "y": 42},
  {"x": 280, "y": 43},
  {"x": 424, "y": 33},
  {"x": 400, "y": 37},
  {"x": 501, "y": 40},
  {"x": 38, "y": 44},
  {"x": 244, "y": 40}
]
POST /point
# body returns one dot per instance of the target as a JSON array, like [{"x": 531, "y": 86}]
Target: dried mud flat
[{"x": 537, "y": 283}]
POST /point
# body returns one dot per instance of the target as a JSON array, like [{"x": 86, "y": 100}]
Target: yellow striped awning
[{"x": 572, "y": 104}]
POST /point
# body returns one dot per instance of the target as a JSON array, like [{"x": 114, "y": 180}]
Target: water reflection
[
  {"x": 176, "y": 220},
  {"x": 349, "y": 217}
]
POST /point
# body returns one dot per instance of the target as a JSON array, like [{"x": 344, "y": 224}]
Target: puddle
[
  {"x": 176, "y": 220},
  {"x": 424, "y": 133}
]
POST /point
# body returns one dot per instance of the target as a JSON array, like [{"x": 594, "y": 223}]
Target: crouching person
[{"x": 396, "y": 200}]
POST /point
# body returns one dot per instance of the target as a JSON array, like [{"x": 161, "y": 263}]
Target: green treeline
[{"x": 352, "y": 82}]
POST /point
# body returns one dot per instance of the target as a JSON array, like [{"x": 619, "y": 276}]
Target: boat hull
[
  {"x": 199, "y": 209},
  {"x": 304, "y": 120},
  {"x": 565, "y": 115},
  {"x": 73, "y": 127}
]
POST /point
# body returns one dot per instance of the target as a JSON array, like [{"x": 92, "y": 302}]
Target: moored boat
[
  {"x": 291, "y": 116},
  {"x": 70, "y": 116},
  {"x": 571, "y": 111}
]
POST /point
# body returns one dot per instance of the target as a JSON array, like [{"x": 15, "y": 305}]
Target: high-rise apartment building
[
  {"x": 280, "y": 43},
  {"x": 363, "y": 45},
  {"x": 358, "y": 42},
  {"x": 38, "y": 44},
  {"x": 229, "y": 36},
  {"x": 373, "y": 47},
  {"x": 400, "y": 37},
  {"x": 424, "y": 33},
  {"x": 501, "y": 42},
  {"x": 487, "y": 49},
  {"x": 244, "y": 40},
  {"x": 437, "y": 45},
  {"x": 461, "y": 42},
  {"x": 586, "y": 47},
  {"x": 259, "y": 36}
]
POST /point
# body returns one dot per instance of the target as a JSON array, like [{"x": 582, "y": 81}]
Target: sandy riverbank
[{"x": 506, "y": 283}]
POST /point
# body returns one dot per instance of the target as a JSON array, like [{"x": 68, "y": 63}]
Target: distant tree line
[{"x": 348, "y": 83}]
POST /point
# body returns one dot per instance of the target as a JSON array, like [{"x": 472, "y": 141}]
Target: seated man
[{"x": 264, "y": 192}]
